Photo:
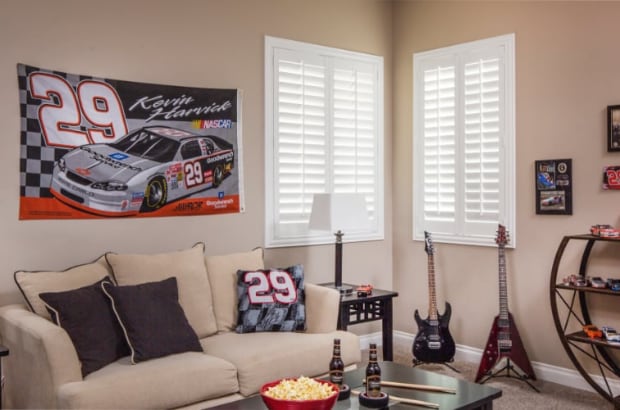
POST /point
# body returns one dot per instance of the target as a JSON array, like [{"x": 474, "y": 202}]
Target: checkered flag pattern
[{"x": 36, "y": 159}]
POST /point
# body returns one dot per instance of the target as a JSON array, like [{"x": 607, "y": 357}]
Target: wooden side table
[{"x": 360, "y": 309}]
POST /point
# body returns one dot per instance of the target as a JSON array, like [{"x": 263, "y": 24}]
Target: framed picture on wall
[
  {"x": 613, "y": 128},
  {"x": 554, "y": 190}
]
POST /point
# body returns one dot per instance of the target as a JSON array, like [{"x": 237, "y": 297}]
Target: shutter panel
[
  {"x": 482, "y": 134},
  {"x": 300, "y": 139},
  {"x": 439, "y": 144},
  {"x": 354, "y": 144}
]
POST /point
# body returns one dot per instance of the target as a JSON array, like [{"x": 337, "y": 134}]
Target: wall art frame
[
  {"x": 613, "y": 128},
  {"x": 554, "y": 186}
]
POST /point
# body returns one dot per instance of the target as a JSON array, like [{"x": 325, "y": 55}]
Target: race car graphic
[{"x": 142, "y": 171}]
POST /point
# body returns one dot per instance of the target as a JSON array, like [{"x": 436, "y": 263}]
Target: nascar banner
[{"x": 99, "y": 148}]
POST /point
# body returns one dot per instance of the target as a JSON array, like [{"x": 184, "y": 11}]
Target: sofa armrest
[
  {"x": 322, "y": 307},
  {"x": 41, "y": 358}
]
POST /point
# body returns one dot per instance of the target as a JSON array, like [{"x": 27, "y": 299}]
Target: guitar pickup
[{"x": 434, "y": 345}]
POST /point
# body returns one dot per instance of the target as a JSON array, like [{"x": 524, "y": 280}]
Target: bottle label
[
  {"x": 336, "y": 377},
  {"x": 373, "y": 386}
]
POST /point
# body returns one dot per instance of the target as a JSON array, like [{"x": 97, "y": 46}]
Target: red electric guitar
[{"x": 504, "y": 340}]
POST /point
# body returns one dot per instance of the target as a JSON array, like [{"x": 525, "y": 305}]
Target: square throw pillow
[
  {"x": 32, "y": 283},
  {"x": 271, "y": 300},
  {"x": 86, "y": 315},
  {"x": 222, "y": 270},
  {"x": 187, "y": 266},
  {"x": 152, "y": 319}
]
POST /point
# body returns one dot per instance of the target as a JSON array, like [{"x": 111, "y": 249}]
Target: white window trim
[
  {"x": 509, "y": 149},
  {"x": 312, "y": 237}
]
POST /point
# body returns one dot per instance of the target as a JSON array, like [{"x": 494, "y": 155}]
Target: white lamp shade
[{"x": 339, "y": 212}]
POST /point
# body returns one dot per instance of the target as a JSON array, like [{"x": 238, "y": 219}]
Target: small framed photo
[
  {"x": 554, "y": 191},
  {"x": 613, "y": 128}
]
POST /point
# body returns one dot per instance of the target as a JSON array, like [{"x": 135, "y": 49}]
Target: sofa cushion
[
  {"x": 264, "y": 357},
  {"x": 152, "y": 319},
  {"x": 86, "y": 315},
  {"x": 222, "y": 270},
  {"x": 188, "y": 266},
  {"x": 167, "y": 382},
  {"x": 271, "y": 300},
  {"x": 32, "y": 283}
]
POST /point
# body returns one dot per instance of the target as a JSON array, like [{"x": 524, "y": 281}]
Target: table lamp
[{"x": 339, "y": 212}]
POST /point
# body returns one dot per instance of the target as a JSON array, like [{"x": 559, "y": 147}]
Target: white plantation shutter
[
  {"x": 324, "y": 133},
  {"x": 464, "y": 141}
]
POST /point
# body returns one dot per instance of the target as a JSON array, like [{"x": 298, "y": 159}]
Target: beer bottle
[
  {"x": 373, "y": 374},
  {"x": 336, "y": 366}
]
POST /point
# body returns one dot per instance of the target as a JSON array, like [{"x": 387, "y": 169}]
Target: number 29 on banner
[{"x": 611, "y": 177}]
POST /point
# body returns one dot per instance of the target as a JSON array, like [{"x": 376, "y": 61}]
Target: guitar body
[
  {"x": 433, "y": 343},
  {"x": 504, "y": 342}
]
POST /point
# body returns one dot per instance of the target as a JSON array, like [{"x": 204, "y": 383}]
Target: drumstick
[
  {"x": 408, "y": 401},
  {"x": 426, "y": 387}
]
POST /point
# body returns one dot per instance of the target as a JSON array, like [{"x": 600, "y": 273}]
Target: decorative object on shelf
[
  {"x": 611, "y": 177},
  {"x": 339, "y": 212},
  {"x": 433, "y": 343},
  {"x": 504, "y": 340},
  {"x": 554, "y": 187},
  {"x": 613, "y": 128}
]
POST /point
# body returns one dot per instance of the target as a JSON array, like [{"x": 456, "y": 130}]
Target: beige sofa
[{"x": 43, "y": 369}]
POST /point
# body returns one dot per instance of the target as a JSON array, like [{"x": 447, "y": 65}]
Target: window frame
[
  {"x": 313, "y": 51},
  {"x": 507, "y": 216}
]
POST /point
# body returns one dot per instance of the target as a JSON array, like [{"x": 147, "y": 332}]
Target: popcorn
[{"x": 303, "y": 388}]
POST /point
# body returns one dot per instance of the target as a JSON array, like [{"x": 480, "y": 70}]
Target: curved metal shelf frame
[{"x": 597, "y": 350}]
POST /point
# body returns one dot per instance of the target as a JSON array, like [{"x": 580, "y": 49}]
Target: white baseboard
[{"x": 544, "y": 371}]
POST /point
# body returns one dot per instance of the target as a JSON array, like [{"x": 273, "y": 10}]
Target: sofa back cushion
[
  {"x": 222, "y": 270},
  {"x": 32, "y": 283},
  {"x": 187, "y": 266}
]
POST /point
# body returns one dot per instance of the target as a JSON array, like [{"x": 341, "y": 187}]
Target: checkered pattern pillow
[{"x": 271, "y": 300}]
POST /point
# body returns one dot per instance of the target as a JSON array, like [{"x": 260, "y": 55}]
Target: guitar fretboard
[
  {"x": 503, "y": 290},
  {"x": 432, "y": 298}
]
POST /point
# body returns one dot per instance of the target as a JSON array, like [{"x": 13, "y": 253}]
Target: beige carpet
[{"x": 516, "y": 394}]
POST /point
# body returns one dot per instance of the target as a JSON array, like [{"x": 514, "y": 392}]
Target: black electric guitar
[
  {"x": 433, "y": 342},
  {"x": 504, "y": 340}
]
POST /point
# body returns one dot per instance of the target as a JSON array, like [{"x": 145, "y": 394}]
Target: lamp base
[{"x": 344, "y": 290}]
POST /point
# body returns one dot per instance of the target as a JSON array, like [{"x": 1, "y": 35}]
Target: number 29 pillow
[{"x": 271, "y": 300}]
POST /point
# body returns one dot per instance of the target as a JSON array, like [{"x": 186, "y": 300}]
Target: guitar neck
[
  {"x": 432, "y": 298},
  {"x": 503, "y": 291}
]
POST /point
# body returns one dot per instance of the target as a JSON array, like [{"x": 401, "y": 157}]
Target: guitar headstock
[
  {"x": 502, "y": 235},
  {"x": 428, "y": 243}
]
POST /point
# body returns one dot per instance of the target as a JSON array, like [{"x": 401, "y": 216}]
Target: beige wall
[
  {"x": 213, "y": 43},
  {"x": 566, "y": 74}
]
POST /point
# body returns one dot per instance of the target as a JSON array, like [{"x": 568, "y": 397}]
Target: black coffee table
[{"x": 468, "y": 395}]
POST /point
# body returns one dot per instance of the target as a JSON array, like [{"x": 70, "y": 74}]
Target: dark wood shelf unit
[{"x": 596, "y": 350}]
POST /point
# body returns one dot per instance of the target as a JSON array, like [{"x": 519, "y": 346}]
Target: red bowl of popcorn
[{"x": 301, "y": 393}]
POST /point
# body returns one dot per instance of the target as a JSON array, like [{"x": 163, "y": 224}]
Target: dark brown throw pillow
[
  {"x": 86, "y": 315},
  {"x": 153, "y": 321}
]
